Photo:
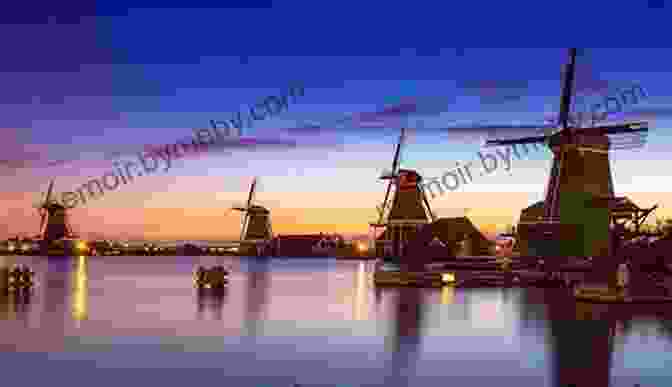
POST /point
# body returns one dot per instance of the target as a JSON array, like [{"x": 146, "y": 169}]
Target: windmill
[
  {"x": 55, "y": 231},
  {"x": 579, "y": 195},
  {"x": 256, "y": 226},
  {"x": 406, "y": 212}
]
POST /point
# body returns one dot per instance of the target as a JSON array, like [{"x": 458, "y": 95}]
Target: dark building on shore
[
  {"x": 447, "y": 237},
  {"x": 308, "y": 245}
]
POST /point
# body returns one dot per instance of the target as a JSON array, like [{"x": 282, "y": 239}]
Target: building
[
  {"x": 308, "y": 245},
  {"x": 447, "y": 237}
]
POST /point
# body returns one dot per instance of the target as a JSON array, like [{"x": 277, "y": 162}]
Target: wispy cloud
[{"x": 391, "y": 115}]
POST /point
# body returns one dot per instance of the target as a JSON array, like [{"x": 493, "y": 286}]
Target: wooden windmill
[
  {"x": 406, "y": 213},
  {"x": 55, "y": 230},
  {"x": 579, "y": 195},
  {"x": 256, "y": 229},
  {"x": 54, "y": 222}
]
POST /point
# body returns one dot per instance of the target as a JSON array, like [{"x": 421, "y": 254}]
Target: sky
[{"x": 100, "y": 78}]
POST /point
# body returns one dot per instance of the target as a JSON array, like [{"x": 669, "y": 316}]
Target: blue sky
[{"x": 100, "y": 78}]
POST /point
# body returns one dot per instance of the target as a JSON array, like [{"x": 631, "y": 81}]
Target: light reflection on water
[{"x": 314, "y": 322}]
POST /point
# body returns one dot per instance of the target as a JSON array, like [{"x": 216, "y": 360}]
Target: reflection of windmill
[
  {"x": 408, "y": 210},
  {"x": 257, "y": 294},
  {"x": 406, "y": 337},
  {"x": 581, "y": 340},
  {"x": 256, "y": 231},
  {"x": 54, "y": 225},
  {"x": 580, "y": 196}
]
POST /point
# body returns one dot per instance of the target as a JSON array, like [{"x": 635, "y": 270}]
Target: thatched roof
[{"x": 452, "y": 230}]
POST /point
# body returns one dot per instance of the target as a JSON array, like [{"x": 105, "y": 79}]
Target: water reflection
[
  {"x": 468, "y": 330},
  {"x": 211, "y": 300},
  {"x": 583, "y": 338},
  {"x": 14, "y": 305},
  {"x": 257, "y": 293},
  {"x": 55, "y": 290},
  {"x": 360, "y": 305},
  {"x": 80, "y": 290},
  {"x": 408, "y": 316},
  {"x": 447, "y": 295}
]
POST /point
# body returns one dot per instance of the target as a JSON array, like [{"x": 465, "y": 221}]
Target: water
[{"x": 110, "y": 321}]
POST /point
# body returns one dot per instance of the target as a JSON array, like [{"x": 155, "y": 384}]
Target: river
[{"x": 114, "y": 321}]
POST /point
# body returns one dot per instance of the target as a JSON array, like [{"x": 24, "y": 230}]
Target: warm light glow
[
  {"x": 360, "y": 303},
  {"x": 11, "y": 247},
  {"x": 362, "y": 247},
  {"x": 80, "y": 292},
  {"x": 25, "y": 247},
  {"x": 448, "y": 277},
  {"x": 81, "y": 245},
  {"x": 447, "y": 295}
]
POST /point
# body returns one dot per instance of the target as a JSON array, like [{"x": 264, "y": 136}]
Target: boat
[
  {"x": 18, "y": 278},
  {"x": 216, "y": 277}
]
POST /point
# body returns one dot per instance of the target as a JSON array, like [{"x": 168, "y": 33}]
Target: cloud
[
  {"x": 652, "y": 112},
  {"x": 491, "y": 87}
]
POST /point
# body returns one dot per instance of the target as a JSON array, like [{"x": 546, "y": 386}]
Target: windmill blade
[
  {"x": 387, "y": 195},
  {"x": 387, "y": 173},
  {"x": 43, "y": 217},
  {"x": 395, "y": 166},
  {"x": 621, "y": 131},
  {"x": 244, "y": 225},
  {"x": 630, "y": 127},
  {"x": 251, "y": 194},
  {"x": 504, "y": 130},
  {"x": 238, "y": 206},
  {"x": 397, "y": 152},
  {"x": 49, "y": 191},
  {"x": 424, "y": 198},
  {"x": 524, "y": 140},
  {"x": 567, "y": 89}
]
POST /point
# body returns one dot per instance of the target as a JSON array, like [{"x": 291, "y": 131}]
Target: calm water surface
[{"x": 110, "y": 321}]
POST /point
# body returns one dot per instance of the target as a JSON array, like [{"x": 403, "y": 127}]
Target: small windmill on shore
[
  {"x": 406, "y": 212},
  {"x": 256, "y": 230},
  {"x": 579, "y": 200},
  {"x": 55, "y": 231}
]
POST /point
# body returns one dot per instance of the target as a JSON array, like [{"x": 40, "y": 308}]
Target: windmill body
[
  {"x": 408, "y": 213},
  {"x": 579, "y": 200}
]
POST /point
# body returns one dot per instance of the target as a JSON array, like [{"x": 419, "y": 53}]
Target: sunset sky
[{"x": 77, "y": 85}]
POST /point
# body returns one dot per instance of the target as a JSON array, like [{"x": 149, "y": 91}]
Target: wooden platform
[
  {"x": 467, "y": 279},
  {"x": 606, "y": 296}
]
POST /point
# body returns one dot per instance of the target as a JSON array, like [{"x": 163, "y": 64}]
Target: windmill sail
[{"x": 392, "y": 176}]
